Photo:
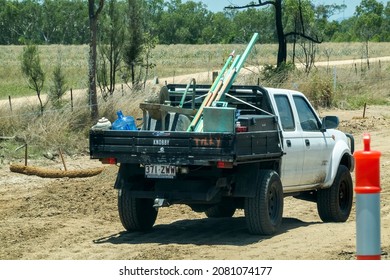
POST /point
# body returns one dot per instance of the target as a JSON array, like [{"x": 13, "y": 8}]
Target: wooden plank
[{"x": 214, "y": 88}]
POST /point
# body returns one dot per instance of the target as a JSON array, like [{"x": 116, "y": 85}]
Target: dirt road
[
  {"x": 77, "y": 218},
  {"x": 201, "y": 77}
]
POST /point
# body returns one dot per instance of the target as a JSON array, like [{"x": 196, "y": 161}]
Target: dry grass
[
  {"x": 344, "y": 87},
  {"x": 68, "y": 129},
  {"x": 64, "y": 128},
  {"x": 72, "y": 58},
  {"x": 170, "y": 60}
]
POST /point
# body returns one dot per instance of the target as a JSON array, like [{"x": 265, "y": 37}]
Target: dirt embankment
[{"x": 77, "y": 218}]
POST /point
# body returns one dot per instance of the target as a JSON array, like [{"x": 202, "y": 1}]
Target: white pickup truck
[{"x": 259, "y": 146}]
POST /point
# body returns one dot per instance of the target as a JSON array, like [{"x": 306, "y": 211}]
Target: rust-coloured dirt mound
[
  {"x": 54, "y": 173},
  {"x": 360, "y": 124}
]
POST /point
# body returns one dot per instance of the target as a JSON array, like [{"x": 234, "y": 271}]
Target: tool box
[{"x": 258, "y": 122}]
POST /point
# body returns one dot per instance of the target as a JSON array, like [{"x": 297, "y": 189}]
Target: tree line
[{"x": 190, "y": 22}]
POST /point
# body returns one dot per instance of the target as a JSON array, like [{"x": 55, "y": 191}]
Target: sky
[{"x": 218, "y": 5}]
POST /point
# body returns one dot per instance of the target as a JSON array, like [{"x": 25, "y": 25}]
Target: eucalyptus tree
[
  {"x": 111, "y": 46},
  {"x": 324, "y": 26},
  {"x": 253, "y": 20},
  {"x": 385, "y": 35},
  {"x": 135, "y": 38},
  {"x": 64, "y": 22},
  {"x": 20, "y": 21},
  {"x": 368, "y": 22},
  {"x": 281, "y": 34},
  {"x": 94, "y": 10},
  {"x": 183, "y": 22},
  {"x": 218, "y": 30}
]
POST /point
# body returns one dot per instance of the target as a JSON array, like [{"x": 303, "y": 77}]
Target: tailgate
[{"x": 153, "y": 147}]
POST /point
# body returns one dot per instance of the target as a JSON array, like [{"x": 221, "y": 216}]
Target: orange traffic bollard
[{"x": 367, "y": 189}]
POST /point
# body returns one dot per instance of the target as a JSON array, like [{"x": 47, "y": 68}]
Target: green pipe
[
  {"x": 241, "y": 61},
  {"x": 183, "y": 98},
  {"x": 214, "y": 85},
  {"x": 247, "y": 51},
  {"x": 231, "y": 68},
  {"x": 230, "y": 58},
  {"x": 236, "y": 67}
]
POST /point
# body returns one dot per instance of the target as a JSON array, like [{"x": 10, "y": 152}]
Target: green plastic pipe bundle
[{"x": 220, "y": 83}]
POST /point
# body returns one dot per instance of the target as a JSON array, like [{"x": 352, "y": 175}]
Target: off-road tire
[
  {"x": 264, "y": 211},
  {"x": 334, "y": 204},
  {"x": 136, "y": 214}
]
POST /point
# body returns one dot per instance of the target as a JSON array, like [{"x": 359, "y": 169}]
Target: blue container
[
  {"x": 130, "y": 122},
  {"x": 124, "y": 122}
]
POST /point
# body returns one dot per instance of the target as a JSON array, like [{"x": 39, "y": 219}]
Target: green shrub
[
  {"x": 318, "y": 89},
  {"x": 58, "y": 87},
  {"x": 277, "y": 75}
]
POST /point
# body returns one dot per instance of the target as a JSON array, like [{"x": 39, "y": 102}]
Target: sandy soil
[{"x": 77, "y": 218}]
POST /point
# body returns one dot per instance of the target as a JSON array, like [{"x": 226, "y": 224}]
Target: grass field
[
  {"x": 170, "y": 60},
  {"x": 347, "y": 87},
  {"x": 72, "y": 58}
]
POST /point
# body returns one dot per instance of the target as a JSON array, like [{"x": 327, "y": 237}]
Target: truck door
[
  {"x": 317, "y": 145},
  {"x": 292, "y": 160}
]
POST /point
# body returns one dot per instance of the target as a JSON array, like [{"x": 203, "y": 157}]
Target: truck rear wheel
[
  {"x": 264, "y": 211},
  {"x": 136, "y": 214},
  {"x": 334, "y": 204}
]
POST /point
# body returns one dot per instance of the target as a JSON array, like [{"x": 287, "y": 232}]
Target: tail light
[
  {"x": 224, "y": 164},
  {"x": 108, "y": 160},
  {"x": 242, "y": 129}
]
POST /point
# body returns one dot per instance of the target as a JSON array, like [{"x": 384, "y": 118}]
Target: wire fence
[{"x": 352, "y": 75}]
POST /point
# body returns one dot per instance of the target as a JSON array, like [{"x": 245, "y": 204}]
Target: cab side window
[
  {"x": 307, "y": 118},
  {"x": 285, "y": 112}
]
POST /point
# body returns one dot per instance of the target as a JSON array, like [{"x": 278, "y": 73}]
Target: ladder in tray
[{"x": 222, "y": 83}]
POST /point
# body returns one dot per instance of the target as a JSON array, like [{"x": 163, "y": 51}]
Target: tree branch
[
  {"x": 314, "y": 40},
  {"x": 7, "y": 137},
  {"x": 250, "y": 5},
  {"x": 301, "y": 17},
  {"x": 100, "y": 8}
]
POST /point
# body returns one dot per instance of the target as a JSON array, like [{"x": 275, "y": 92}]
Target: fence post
[
  {"x": 71, "y": 99},
  {"x": 10, "y": 102},
  {"x": 215, "y": 75}
]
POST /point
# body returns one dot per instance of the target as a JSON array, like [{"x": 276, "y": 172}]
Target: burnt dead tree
[
  {"x": 94, "y": 10},
  {"x": 281, "y": 35}
]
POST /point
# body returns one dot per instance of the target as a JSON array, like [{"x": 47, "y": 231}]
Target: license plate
[{"x": 160, "y": 171}]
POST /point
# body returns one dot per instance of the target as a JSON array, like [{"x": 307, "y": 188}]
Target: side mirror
[{"x": 329, "y": 122}]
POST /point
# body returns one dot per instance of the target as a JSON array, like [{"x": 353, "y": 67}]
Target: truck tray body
[{"x": 184, "y": 148}]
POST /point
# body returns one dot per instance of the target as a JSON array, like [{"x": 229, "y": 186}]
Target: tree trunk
[
  {"x": 282, "y": 50},
  {"x": 132, "y": 74},
  {"x": 282, "y": 41},
  {"x": 92, "y": 93},
  {"x": 367, "y": 57},
  {"x": 40, "y": 101}
]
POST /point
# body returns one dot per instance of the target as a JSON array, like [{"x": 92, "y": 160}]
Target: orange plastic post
[{"x": 367, "y": 189}]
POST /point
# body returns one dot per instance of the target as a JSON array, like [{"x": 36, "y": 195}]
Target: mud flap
[
  {"x": 245, "y": 185},
  {"x": 127, "y": 171}
]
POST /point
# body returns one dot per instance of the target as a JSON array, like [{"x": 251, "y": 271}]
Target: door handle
[
  {"x": 307, "y": 142},
  {"x": 288, "y": 142}
]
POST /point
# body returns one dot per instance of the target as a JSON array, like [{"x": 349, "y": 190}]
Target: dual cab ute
[{"x": 254, "y": 148}]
